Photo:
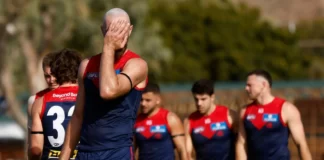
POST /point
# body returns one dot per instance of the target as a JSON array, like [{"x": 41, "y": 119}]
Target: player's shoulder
[
  {"x": 87, "y": 60},
  {"x": 278, "y": 102},
  {"x": 140, "y": 117},
  {"x": 289, "y": 107},
  {"x": 172, "y": 118},
  {"x": 223, "y": 108},
  {"x": 49, "y": 94},
  {"x": 132, "y": 54},
  {"x": 91, "y": 60},
  {"x": 37, "y": 105},
  {"x": 244, "y": 108},
  {"x": 289, "y": 111},
  {"x": 85, "y": 63},
  {"x": 132, "y": 57},
  {"x": 164, "y": 111},
  {"x": 168, "y": 113},
  {"x": 280, "y": 99},
  {"x": 232, "y": 113},
  {"x": 249, "y": 105},
  {"x": 194, "y": 115},
  {"x": 137, "y": 62},
  {"x": 42, "y": 93}
]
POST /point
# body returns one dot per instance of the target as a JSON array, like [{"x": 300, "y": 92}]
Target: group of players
[{"x": 89, "y": 112}]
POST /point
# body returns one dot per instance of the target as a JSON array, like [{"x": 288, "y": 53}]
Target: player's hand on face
[{"x": 117, "y": 34}]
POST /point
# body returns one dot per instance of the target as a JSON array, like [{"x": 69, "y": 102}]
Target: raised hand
[{"x": 117, "y": 34}]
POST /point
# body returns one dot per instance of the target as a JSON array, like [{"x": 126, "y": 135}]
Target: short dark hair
[
  {"x": 203, "y": 86},
  {"x": 152, "y": 87},
  {"x": 65, "y": 65},
  {"x": 47, "y": 60},
  {"x": 262, "y": 73}
]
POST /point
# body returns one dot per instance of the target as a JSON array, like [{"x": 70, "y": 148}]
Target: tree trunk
[
  {"x": 6, "y": 63},
  {"x": 7, "y": 88},
  {"x": 34, "y": 74}
]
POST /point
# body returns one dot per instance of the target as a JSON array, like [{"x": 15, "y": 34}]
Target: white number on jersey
[{"x": 57, "y": 124}]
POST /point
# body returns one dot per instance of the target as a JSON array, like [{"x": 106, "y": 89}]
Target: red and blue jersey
[
  {"x": 212, "y": 136},
  {"x": 58, "y": 107},
  {"x": 42, "y": 93},
  {"x": 33, "y": 98},
  {"x": 266, "y": 133},
  {"x": 107, "y": 124},
  {"x": 153, "y": 136}
]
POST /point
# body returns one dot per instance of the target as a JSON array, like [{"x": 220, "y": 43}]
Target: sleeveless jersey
[
  {"x": 32, "y": 100},
  {"x": 42, "y": 93},
  {"x": 153, "y": 136},
  {"x": 212, "y": 136},
  {"x": 266, "y": 133},
  {"x": 107, "y": 124},
  {"x": 58, "y": 107}
]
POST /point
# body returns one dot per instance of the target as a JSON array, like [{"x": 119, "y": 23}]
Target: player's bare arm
[
  {"x": 134, "y": 72},
  {"x": 233, "y": 120},
  {"x": 29, "y": 107},
  {"x": 73, "y": 130},
  {"x": 241, "y": 139},
  {"x": 178, "y": 135},
  {"x": 189, "y": 145},
  {"x": 29, "y": 114},
  {"x": 37, "y": 137},
  {"x": 291, "y": 116}
]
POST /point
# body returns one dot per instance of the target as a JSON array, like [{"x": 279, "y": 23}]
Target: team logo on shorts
[
  {"x": 270, "y": 117},
  {"x": 158, "y": 129},
  {"x": 218, "y": 126}
]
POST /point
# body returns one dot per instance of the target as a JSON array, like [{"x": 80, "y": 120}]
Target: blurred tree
[
  {"x": 9, "y": 11},
  {"x": 38, "y": 27},
  {"x": 184, "y": 41},
  {"x": 32, "y": 28},
  {"x": 217, "y": 40},
  {"x": 144, "y": 40},
  {"x": 312, "y": 45}
]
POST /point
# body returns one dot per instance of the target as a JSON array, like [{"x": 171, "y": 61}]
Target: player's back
[
  {"x": 58, "y": 107},
  {"x": 212, "y": 135},
  {"x": 266, "y": 133},
  {"x": 153, "y": 136},
  {"x": 107, "y": 124}
]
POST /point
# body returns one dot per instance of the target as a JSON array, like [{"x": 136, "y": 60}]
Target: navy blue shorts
[{"x": 125, "y": 153}]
